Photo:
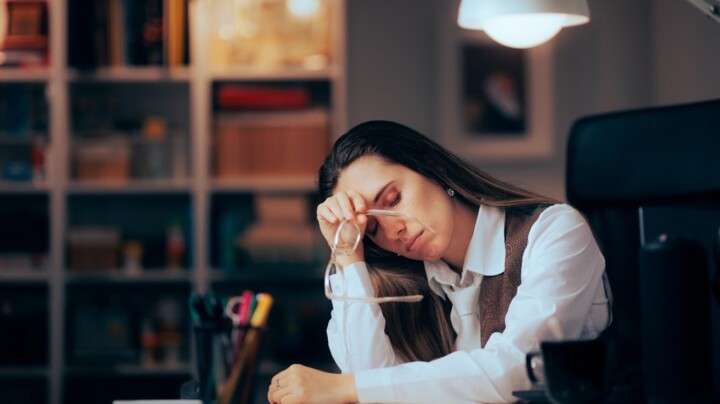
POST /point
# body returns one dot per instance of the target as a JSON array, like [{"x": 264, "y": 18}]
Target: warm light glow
[
  {"x": 226, "y": 31},
  {"x": 522, "y": 23},
  {"x": 525, "y": 30},
  {"x": 303, "y": 8}
]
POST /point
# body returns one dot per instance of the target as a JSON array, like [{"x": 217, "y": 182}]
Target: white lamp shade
[
  {"x": 303, "y": 8},
  {"x": 522, "y": 23}
]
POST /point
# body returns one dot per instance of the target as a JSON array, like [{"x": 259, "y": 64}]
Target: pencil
[{"x": 230, "y": 393}]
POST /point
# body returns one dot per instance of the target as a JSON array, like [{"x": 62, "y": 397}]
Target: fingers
[
  {"x": 343, "y": 206},
  {"x": 340, "y": 207},
  {"x": 300, "y": 384},
  {"x": 276, "y": 393},
  {"x": 282, "y": 387},
  {"x": 351, "y": 204}
]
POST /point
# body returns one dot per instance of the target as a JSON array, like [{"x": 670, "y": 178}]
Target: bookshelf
[{"x": 111, "y": 154}]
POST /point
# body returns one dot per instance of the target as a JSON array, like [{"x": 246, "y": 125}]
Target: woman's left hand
[{"x": 301, "y": 384}]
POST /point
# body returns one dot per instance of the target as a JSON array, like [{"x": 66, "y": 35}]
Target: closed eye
[
  {"x": 372, "y": 227},
  {"x": 393, "y": 199}
]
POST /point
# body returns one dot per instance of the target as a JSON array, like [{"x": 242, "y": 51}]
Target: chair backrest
[{"x": 618, "y": 162}]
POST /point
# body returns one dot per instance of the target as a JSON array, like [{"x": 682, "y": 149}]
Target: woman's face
[{"x": 396, "y": 187}]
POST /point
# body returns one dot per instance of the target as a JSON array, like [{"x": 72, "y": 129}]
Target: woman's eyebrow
[{"x": 380, "y": 192}]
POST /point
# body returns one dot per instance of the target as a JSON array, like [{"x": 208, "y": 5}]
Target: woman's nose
[{"x": 393, "y": 227}]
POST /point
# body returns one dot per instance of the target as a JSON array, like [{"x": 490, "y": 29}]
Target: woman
[{"x": 499, "y": 267}]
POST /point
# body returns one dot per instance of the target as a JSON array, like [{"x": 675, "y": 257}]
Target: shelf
[
  {"x": 23, "y": 187},
  {"x": 264, "y": 74},
  {"x": 24, "y": 372},
  {"x": 302, "y": 183},
  {"x": 159, "y": 186},
  {"x": 123, "y": 74},
  {"x": 170, "y": 197},
  {"x": 38, "y": 75},
  {"x": 24, "y": 276},
  {"x": 120, "y": 277},
  {"x": 270, "y": 275},
  {"x": 25, "y": 140}
]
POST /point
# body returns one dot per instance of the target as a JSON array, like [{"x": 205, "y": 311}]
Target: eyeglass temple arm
[{"x": 384, "y": 212}]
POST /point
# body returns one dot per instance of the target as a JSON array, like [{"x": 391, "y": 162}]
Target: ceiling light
[{"x": 522, "y": 23}]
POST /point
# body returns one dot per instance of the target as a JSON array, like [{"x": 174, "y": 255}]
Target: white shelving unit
[{"x": 199, "y": 187}]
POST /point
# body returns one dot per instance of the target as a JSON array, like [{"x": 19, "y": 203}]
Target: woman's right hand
[{"x": 336, "y": 209}]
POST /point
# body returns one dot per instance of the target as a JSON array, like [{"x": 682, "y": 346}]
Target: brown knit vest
[{"x": 496, "y": 292}]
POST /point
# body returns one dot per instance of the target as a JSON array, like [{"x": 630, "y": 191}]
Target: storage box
[
  {"x": 270, "y": 143},
  {"x": 94, "y": 248},
  {"x": 102, "y": 161}
]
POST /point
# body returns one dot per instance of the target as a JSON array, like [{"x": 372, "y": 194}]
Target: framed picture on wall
[
  {"x": 493, "y": 97},
  {"x": 496, "y": 103}
]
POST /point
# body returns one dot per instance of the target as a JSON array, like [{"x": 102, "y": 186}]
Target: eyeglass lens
[{"x": 347, "y": 237}]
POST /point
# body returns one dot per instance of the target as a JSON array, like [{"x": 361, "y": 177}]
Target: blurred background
[{"x": 151, "y": 149}]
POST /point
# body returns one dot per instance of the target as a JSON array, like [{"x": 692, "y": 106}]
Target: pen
[
  {"x": 242, "y": 368},
  {"x": 247, "y": 298},
  {"x": 243, "y": 316},
  {"x": 257, "y": 323},
  {"x": 262, "y": 309}
]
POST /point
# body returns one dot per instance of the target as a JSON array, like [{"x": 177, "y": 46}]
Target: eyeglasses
[{"x": 347, "y": 237}]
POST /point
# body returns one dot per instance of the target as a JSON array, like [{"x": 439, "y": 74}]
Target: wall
[
  {"x": 686, "y": 53},
  {"x": 390, "y": 62},
  {"x": 632, "y": 54}
]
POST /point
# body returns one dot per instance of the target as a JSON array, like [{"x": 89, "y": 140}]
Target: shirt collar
[{"x": 485, "y": 255}]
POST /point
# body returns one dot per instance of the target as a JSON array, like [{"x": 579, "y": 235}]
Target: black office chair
[{"x": 619, "y": 162}]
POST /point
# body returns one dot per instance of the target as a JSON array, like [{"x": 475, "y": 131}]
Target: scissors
[
  {"x": 206, "y": 309},
  {"x": 238, "y": 309}
]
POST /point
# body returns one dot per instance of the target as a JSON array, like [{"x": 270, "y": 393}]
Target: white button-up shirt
[{"x": 561, "y": 277}]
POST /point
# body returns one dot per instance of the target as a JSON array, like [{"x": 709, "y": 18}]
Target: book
[
  {"x": 27, "y": 25},
  {"x": 239, "y": 96},
  {"x": 277, "y": 243},
  {"x": 82, "y": 49},
  {"x": 270, "y": 143},
  {"x": 282, "y": 209},
  {"x": 175, "y": 26}
]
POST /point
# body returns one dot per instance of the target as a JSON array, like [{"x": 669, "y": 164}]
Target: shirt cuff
[
  {"x": 357, "y": 281},
  {"x": 372, "y": 385}
]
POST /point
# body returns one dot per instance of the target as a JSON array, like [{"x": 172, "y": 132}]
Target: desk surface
[{"x": 157, "y": 402}]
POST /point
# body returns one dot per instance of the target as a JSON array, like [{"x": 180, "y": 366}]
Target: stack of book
[
  {"x": 25, "y": 41},
  {"x": 270, "y": 143},
  {"x": 282, "y": 232},
  {"x": 261, "y": 97},
  {"x": 93, "y": 248},
  {"x": 127, "y": 33}
]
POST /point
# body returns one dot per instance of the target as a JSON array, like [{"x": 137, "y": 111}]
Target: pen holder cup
[
  {"x": 207, "y": 340},
  {"x": 239, "y": 386},
  {"x": 226, "y": 365}
]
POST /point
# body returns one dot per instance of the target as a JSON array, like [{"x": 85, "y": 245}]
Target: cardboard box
[
  {"x": 93, "y": 248},
  {"x": 270, "y": 143},
  {"x": 102, "y": 161}
]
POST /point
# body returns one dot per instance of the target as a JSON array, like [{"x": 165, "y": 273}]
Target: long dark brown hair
[{"x": 416, "y": 331}]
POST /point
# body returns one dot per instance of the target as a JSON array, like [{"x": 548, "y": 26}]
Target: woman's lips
[{"x": 412, "y": 244}]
